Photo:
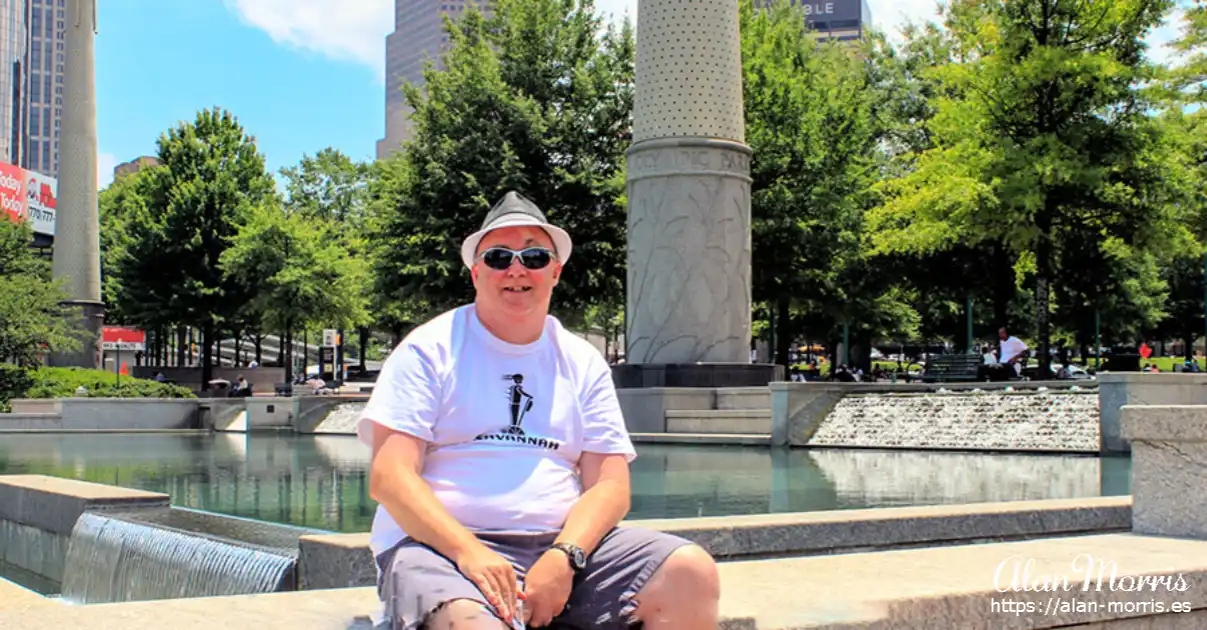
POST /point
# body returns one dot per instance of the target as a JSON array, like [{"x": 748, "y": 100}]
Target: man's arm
[
  {"x": 604, "y": 502},
  {"x": 396, "y": 483}
]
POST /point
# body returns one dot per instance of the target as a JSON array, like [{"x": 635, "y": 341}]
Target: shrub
[
  {"x": 63, "y": 383},
  {"x": 14, "y": 382}
]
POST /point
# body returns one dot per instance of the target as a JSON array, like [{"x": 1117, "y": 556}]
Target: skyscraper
[
  {"x": 32, "y": 53},
  {"x": 418, "y": 35},
  {"x": 834, "y": 19}
]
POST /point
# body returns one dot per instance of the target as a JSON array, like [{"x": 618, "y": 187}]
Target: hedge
[{"x": 47, "y": 382}]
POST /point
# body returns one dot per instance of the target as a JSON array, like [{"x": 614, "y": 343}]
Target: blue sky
[{"x": 301, "y": 75}]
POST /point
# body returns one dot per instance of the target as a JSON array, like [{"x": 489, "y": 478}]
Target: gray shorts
[{"x": 415, "y": 580}]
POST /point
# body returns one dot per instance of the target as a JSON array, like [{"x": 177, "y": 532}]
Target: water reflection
[{"x": 321, "y": 482}]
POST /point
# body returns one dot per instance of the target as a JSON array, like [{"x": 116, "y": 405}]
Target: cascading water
[
  {"x": 967, "y": 420},
  {"x": 115, "y": 559},
  {"x": 341, "y": 419}
]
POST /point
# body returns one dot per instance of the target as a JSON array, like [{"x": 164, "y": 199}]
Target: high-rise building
[
  {"x": 418, "y": 36},
  {"x": 836, "y": 19},
  {"x": 32, "y": 52}
]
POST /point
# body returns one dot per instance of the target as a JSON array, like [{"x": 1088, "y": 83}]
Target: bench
[{"x": 953, "y": 367}]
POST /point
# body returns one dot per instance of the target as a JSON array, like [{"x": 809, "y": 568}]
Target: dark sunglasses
[{"x": 532, "y": 258}]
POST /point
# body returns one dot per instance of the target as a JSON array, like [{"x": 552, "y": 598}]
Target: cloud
[
  {"x": 104, "y": 169},
  {"x": 344, "y": 30}
]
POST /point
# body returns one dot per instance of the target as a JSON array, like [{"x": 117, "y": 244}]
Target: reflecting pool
[{"x": 321, "y": 482}]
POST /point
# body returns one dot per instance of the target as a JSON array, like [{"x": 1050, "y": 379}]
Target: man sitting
[{"x": 501, "y": 464}]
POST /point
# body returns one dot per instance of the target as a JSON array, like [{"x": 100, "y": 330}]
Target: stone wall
[
  {"x": 1141, "y": 388},
  {"x": 113, "y": 414}
]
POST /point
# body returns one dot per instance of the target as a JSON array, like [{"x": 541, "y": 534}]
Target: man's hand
[
  {"x": 547, "y": 588},
  {"x": 494, "y": 575}
]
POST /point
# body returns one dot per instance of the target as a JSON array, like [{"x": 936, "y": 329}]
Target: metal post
[{"x": 968, "y": 331}]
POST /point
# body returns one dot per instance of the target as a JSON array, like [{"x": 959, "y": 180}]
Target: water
[
  {"x": 321, "y": 482},
  {"x": 1021, "y": 421},
  {"x": 113, "y": 559},
  {"x": 342, "y": 419}
]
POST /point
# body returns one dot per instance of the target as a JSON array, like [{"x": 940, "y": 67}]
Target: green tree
[
  {"x": 33, "y": 322},
  {"x": 810, "y": 120},
  {"x": 535, "y": 99},
  {"x": 299, "y": 273},
  {"x": 211, "y": 177},
  {"x": 1044, "y": 132},
  {"x": 332, "y": 187}
]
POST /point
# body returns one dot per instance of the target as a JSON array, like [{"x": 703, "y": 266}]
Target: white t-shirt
[
  {"x": 505, "y": 423},
  {"x": 1011, "y": 347}
]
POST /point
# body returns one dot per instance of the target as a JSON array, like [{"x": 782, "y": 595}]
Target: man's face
[
  {"x": 1001, "y": 334},
  {"x": 516, "y": 291}
]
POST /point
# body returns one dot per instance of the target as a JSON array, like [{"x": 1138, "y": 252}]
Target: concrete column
[
  {"x": 689, "y": 237},
  {"x": 1169, "y": 458},
  {"x": 77, "y": 226}
]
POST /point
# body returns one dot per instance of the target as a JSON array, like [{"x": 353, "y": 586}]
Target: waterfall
[
  {"x": 341, "y": 419},
  {"x": 967, "y": 420},
  {"x": 112, "y": 558}
]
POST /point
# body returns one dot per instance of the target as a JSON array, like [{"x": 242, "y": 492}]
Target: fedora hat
[{"x": 511, "y": 211}]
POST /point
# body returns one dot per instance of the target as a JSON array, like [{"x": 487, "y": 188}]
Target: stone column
[
  {"x": 1169, "y": 460},
  {"x": 689, "y": 237},
  {"x": 77, "y": 227}
]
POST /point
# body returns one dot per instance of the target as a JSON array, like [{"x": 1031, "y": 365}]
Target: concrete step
[
  {"x": 747, "y": 439},
  {"x": 743, "y": 398},
  {"x": 719, "y": 421}
]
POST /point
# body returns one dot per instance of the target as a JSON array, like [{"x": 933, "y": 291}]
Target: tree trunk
[
  {"x": 259, "y": 341},
  {"x": 207, "y": 355},
  {"x": 286, "y": 354},
  {"x": 364, "y": 347},
  {"x": 1188, "y": 339},
  {"x": 783, "y": 332},
  {"x": 1043, "y": 275},
  {"x": 180, "y": 346}
]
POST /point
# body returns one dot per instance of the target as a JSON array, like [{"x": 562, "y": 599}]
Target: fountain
[
  {"x": 341, "y": 419},
  {"x": 1040, "y": 420},
  {"x": 174, "y": 553}
]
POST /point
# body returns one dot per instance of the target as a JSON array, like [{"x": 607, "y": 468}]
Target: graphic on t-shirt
[
  {"x": 519, "y": 403},
  {"x": 518, "y": 397}
]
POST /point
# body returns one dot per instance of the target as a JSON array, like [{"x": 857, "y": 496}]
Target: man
[
  {"x": 501, "y": 464},
  {"x": 1011, "y": 351}
]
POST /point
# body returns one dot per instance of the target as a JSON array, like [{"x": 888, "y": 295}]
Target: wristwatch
[{"x": 578, "y": 558}]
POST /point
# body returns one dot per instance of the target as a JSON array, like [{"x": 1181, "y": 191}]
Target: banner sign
[
  {"x": 28, "y": 196},
  {"x": 121, "y": 338},
  {"x": 40, "y": 201}
]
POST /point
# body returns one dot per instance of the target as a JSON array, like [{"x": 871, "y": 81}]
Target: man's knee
[
  {"x": 463, "y": 614},
  {"x": 689, "y": 573}
]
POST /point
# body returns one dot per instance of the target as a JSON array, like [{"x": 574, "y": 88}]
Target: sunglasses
[{"x": 532, "y": 258}]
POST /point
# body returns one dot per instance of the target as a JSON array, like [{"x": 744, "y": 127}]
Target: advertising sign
[
  {"x": 26, "y": 195},
  {"x": 822, "y": 13},
  {"x": 12, "y": 192},
  {"x": 330, "y": 337},
  {"x": 40, "y": 201},
  {"x": 121, "y": 338}
]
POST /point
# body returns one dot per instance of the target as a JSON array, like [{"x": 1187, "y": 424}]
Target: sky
[{"x": 300, "y": 75}]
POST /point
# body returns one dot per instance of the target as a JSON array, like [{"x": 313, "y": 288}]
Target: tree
[
  {"x": 299, "y": 272},
  {"x": 1044, "y": 133},
  {"x": 33, "y": 322},
  {"x": 810, "y": 122},
  {"x": 536, "y": 99},
  {"x": 211, "y": 177},
  {"x": 335, "y": 188}
]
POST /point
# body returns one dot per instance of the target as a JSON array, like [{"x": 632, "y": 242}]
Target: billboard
[
  {"x": 28, "y": 196},
  {"x": 831, "y": 15}
]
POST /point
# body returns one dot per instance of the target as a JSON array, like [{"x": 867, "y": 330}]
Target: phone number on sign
[{"x": 1066, "y": 605}]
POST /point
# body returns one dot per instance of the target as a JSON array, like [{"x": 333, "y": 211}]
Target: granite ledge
[
  {"x": 344, "y": 560},
  {"x": 53, "y": 504},
  {"x": 948, "y": 587},
  {"x": 1164, "y": 423},
  {"x": 15, "y": 598}
]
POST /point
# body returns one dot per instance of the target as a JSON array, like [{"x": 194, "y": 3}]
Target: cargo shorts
[{"x": 414, "y": 580}]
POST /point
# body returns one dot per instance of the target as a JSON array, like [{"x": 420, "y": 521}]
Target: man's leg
[
  {"x": 640, "y": 576},
  {"x": 423, "y": 590},
  {"x": 684, "y": 593}
]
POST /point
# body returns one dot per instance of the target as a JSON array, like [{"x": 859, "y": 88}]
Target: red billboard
[{"x": 12, "y": 192}]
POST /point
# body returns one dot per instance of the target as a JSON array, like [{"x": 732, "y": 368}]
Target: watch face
[{"x": 580, "y": 559}]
